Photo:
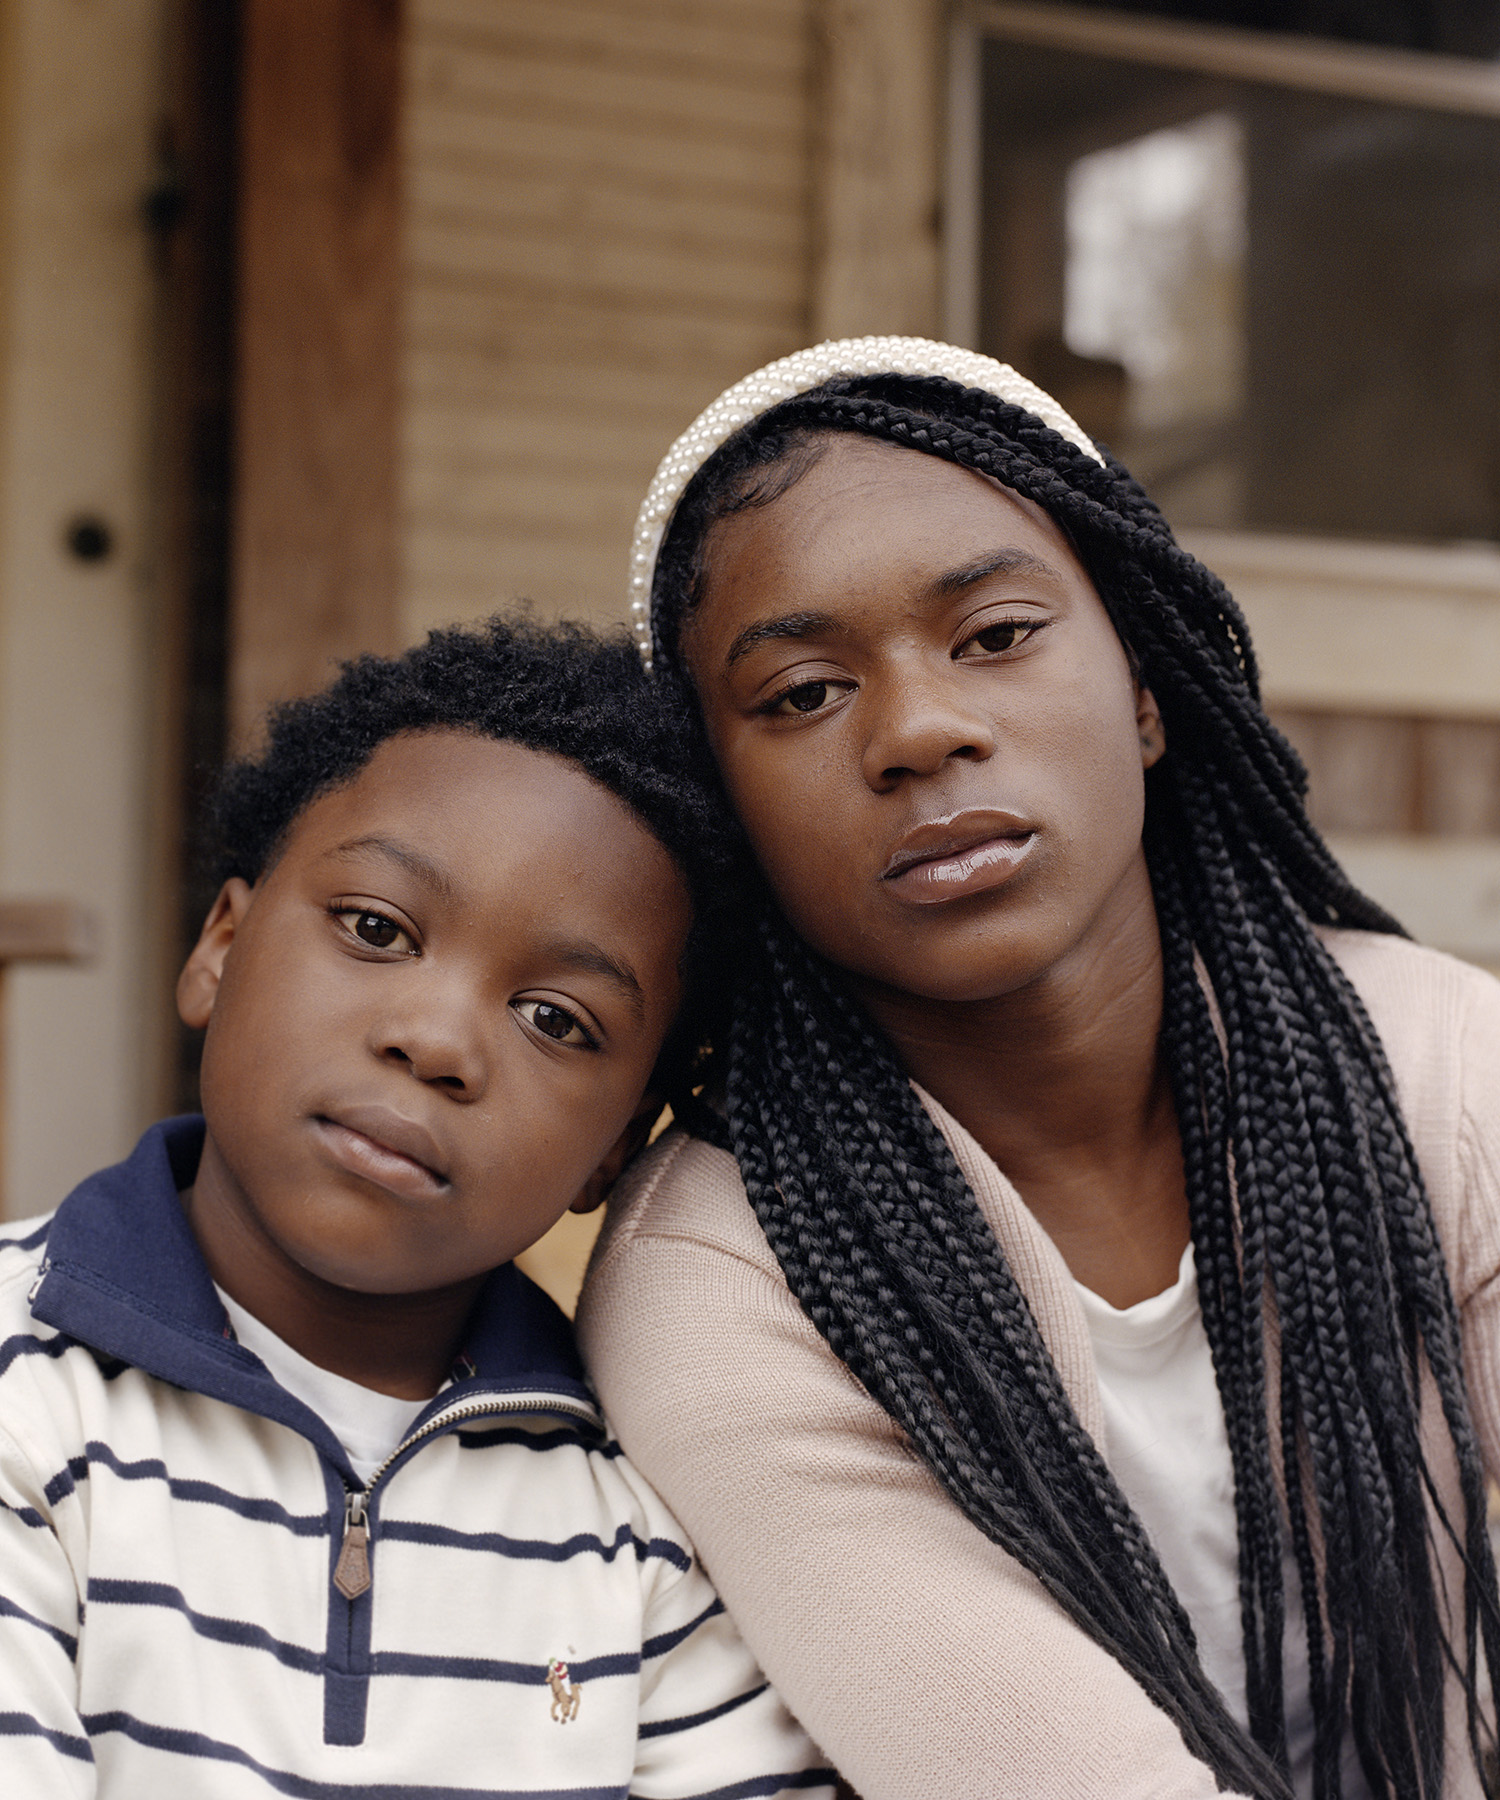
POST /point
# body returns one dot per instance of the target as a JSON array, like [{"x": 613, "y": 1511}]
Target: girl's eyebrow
[
  {"x": 790, "y": 625},
  {"x": 1010, "y": 561},
  {"x": 794, "y": 626}
]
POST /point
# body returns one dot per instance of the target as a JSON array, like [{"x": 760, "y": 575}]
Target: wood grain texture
[
  {"x": 316, "y": 560},
  {"x": 877, "y": 163},
  {"x": 1388, "y": 774},
  {"x": 46, "y": 931},
  {"x": 196, "y": 227},
  {"x": 608, "y": 221}
]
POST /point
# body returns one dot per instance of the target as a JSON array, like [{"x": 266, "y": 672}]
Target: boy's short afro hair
[{"x": 558, "y": 688}]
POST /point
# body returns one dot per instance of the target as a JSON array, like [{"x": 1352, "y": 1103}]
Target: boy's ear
[
  {"x": 596, "y": 1189},
  {"x": 198, "y": 984}
]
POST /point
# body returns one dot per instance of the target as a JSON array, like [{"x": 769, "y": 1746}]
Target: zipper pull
[
  {"x": 41, "y": 1276},
  {"x": 351, "y": 1575}
]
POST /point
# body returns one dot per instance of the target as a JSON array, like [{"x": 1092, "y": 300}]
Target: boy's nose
[{"x": 438, "y": 1048}]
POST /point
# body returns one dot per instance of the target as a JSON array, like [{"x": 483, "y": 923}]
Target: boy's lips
[
  {"x": 950, "y": 859},
  {"x": 381, "y": 1145}
]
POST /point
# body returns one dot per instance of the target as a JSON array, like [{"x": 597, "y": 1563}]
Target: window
[{"x": 1280, "y": 306}]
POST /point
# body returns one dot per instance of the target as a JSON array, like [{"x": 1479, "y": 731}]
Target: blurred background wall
[{"x": 326, "y": 321}]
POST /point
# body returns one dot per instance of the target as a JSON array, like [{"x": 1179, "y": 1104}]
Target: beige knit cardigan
[{"x": 927, "y": 1662}]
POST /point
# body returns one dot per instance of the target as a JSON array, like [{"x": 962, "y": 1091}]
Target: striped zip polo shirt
[{"x": 199, "y": 1596}]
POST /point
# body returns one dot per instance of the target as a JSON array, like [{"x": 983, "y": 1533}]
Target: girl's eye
[
  {"x": 1003, "y": 635},
  {"x": 376, "y": 930},
  {"x": 555, "y": 1022},
  {"x": 806, "y": 697}
]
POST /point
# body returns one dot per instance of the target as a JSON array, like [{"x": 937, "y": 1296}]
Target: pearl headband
[{"x": 793, "y": 375}]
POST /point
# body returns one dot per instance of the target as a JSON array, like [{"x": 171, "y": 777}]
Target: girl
[{"x": 1080, "y": 1377}]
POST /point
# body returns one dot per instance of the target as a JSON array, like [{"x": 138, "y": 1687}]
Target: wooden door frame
[
  {"x": 276, "y": 216},
  {"x": 316, "y": 549}
]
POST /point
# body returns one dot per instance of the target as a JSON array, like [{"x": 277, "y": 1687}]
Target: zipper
[
  {"x": 41, "y": 1276},
  {"x": 351, "y": 1574}
]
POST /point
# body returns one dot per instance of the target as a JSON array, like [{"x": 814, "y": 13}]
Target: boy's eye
[
  {"x": 555, "y": 1022},
  {"x": 375, "y": 929}
]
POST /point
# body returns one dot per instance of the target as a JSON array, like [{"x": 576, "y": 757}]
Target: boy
[{"x": 301, "y": 1489}]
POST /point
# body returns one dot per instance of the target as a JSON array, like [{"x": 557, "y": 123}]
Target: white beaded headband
[{"x": 793, "y": 375}]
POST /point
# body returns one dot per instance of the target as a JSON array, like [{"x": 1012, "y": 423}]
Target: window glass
[{"x": 1281, "y": 308}]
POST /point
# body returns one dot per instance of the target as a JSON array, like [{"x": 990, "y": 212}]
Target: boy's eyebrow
[
  {"x": 433, "y": 874},
  {"x": 766, "y": 631},
  {"x": 571, "y": 953},
  {"x": 589, "y": 959},
  {"x": 1010, "y": 561}
]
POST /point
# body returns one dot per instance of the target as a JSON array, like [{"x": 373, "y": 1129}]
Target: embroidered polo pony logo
[{"x": 566, "y": 1692}]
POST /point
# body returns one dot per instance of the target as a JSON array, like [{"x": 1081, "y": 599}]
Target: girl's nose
[{"x": 921, "y": 722}]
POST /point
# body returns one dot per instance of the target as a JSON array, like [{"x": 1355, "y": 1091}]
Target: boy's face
[{"x": 434, "y": 1017}]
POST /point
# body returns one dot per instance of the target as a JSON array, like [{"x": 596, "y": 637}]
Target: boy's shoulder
[
  {"x": 23, "y": 1244},
  {"x": 57, "y": 1350},
  {"x": 23, "y": 1249}
]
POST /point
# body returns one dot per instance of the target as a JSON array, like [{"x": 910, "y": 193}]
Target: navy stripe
[
  {"x": 25, "y": 1344},
  {"x": 346, "y": 1703},
  {"x": 17, "y": 1724},
  {"x": 669, "y": 1640},
  {"x": 300, "y": 1787},
  {"x": 243, "y": 1635},
  {"x": 104, "y": 1592},
  {"x": 202, "y": 1493},
  {"x": 584, "y": 1543},
  {"x": 564, "y": 1437},
  {"x": 666, "y": 1727},
  {"x": 482, "y": 1668},
  {"x": 39, "y": 1236},
  {"x": 9, "y": 1610},
  {"x": 764, "y": 1784},
  {"x": 66, "y": 1480},
  {"x": 28, "y": 1515}
]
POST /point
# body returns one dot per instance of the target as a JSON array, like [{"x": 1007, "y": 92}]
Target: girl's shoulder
[
  {"x": 682, "y": 1188},
  {"x": 1439, "y": 1021},
  {"x": 1438, "y": 1017}
]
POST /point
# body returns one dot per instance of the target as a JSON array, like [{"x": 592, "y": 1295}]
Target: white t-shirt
[
  {"x": 1166, "y": 1444},
  {"x": 368, "y": 1424}
]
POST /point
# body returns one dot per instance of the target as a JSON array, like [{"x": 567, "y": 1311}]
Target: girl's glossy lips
[
  {"x": 954, "y": 874},
  {"x": 379, "y": 1161}
]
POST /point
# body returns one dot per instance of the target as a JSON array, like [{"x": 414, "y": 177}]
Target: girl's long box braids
[{"x": 1324, "y": 1294}]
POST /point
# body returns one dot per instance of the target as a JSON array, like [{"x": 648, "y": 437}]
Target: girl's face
[{"x": 926, "y": 723}]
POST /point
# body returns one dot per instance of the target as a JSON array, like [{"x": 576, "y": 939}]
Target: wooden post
[
  {"x": 315, "y": 553},
  {"x": 878, "y": 168},
  {"x": 38, "y": 931}
]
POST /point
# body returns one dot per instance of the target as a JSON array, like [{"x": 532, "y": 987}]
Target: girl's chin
[{"x": 964, "y": 972}]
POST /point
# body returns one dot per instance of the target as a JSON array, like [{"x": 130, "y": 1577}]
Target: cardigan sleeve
[
  {"x": 1439, "y": 1020},
  {"x": 927, "y": 1663},
  {"x": 1478, "y": 1272}
]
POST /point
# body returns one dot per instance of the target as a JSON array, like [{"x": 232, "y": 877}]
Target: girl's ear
[
  {"x": 198, "y": 984},
  {"x": 1148, "y": 723},
  {"x": 596, "y": 1188}
]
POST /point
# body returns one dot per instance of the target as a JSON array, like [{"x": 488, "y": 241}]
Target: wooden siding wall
[
  {"x": 1381, "y": 772},
  {"x": 608, "y": 220}
]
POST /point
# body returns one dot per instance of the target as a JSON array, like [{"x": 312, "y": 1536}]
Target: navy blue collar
[{"x": 124, "y": 1275}]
